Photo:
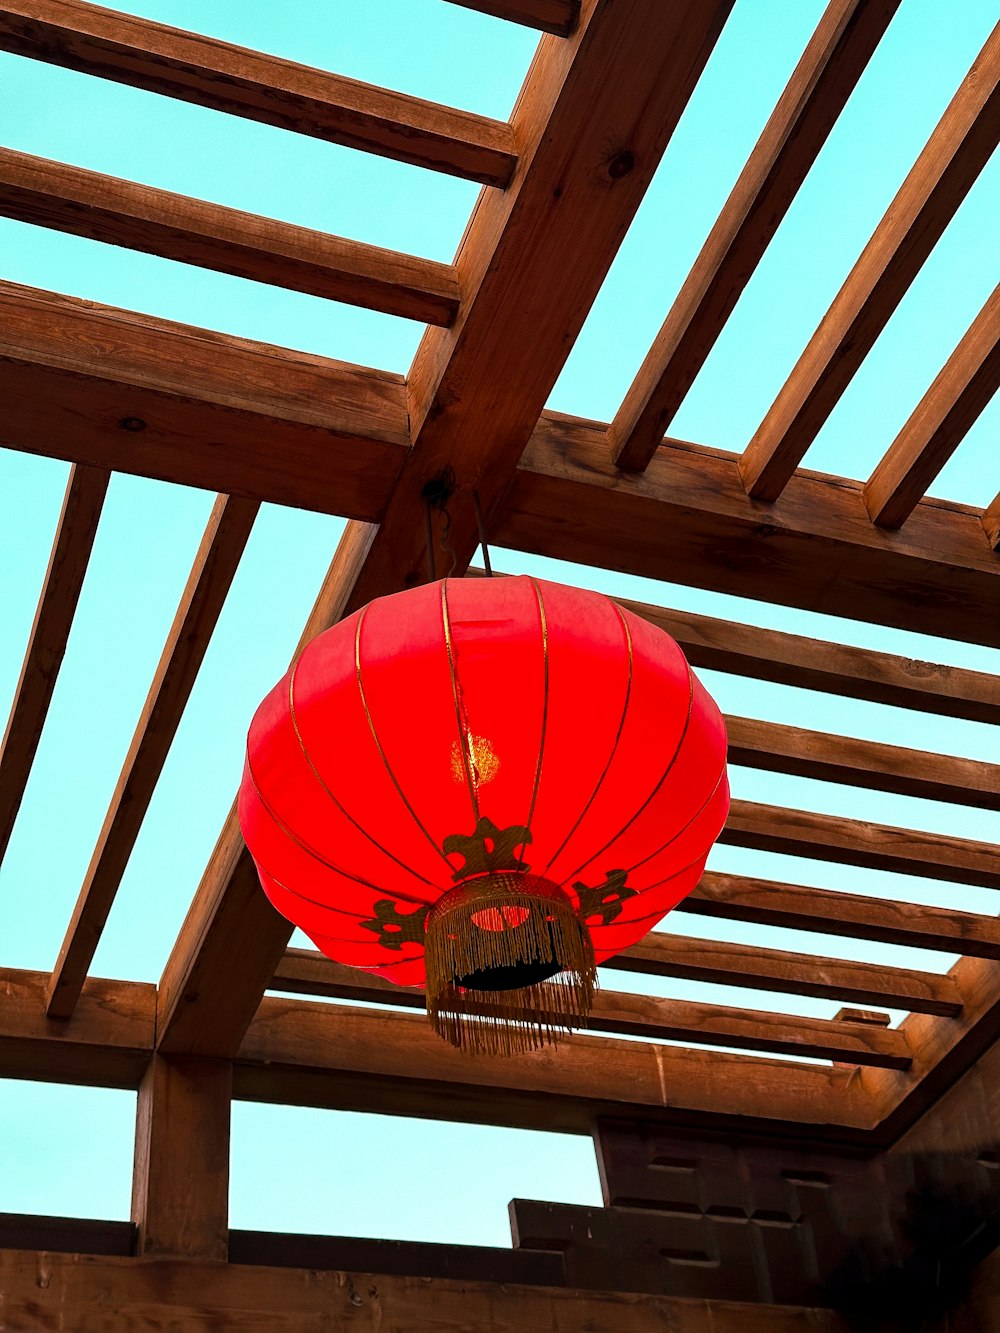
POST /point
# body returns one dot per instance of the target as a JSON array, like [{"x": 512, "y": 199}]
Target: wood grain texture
[
  {"x": 107, "y": 1042},
  {"x": 191, "y": 231},
  {"x": 210, "y": 73},
  {"x": 592, "y": 121},
  {"x": 57, "y": 602},
  {"x": 555, "y": 16},
  {"x": 855, "y": 842},
  {"x": 215, "y": 565},
  {"x": 124, "y": 391},
  {"x": 622, "y": 1014},
  {"x": 180, "y": 1181},
  {"x": 831, "y": 668},
  {"x": 939, "y": 422},
  {"x": 185, "y": 1296},
  {"x": 828, "y": 912},
  {"x": 232, "y": 939},
  {"x": 928, "y": 199},
  {"x": 862, "y": 763},
  {"x": 823, "y": 80},
  {"x": 687, "y": 520},
  {"x": 303, "y": 971},
  {"x": 377, "y": 1060}
]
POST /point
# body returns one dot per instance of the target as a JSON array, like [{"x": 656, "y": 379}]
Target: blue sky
[{"x": 297, "y": 1168}]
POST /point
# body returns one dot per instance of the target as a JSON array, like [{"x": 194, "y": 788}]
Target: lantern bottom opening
[{"x": 509, "y": 964}]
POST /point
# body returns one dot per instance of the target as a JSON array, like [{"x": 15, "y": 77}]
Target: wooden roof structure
[{"x": 111, "y": 390}]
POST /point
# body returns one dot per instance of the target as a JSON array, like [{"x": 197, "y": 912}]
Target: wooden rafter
[
  {"x": 863, "y": 763},
  {"x": 103, "y": 208},
  {"x": 74, "y": 540},
  {"x": 831, "y": 668},
  {"x": 624, "y": 77},
  {"x": 215, "y": 565},
  {"x": 555, "y": 16},
  {"x": 623, "y": 1014},
  {"x": 194, "y": 68},
  {"x": 823, "y": 80},
  {"x": 828, "y": 912},
  {"x": 991, "y": 523},
  {"x": 305, "y": 972},
  {"x": 687, "y": 519},
  {"x": 939, "y": 422},
  {"x": 928, "y": 199},
  {"x": 855, "y": 842},
  {"x": 136, "y": 394}
]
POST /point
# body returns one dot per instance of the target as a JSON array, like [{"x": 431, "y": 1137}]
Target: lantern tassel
[{"x": 510, "y": 967}]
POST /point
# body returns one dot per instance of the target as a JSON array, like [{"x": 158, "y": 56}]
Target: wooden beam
[
  {"x": 74, "y": 540},
  {"x": 180, "y": 1184},
  {"x": 107, "y": 1043},
  {"x": 939, "y": 422},
  {"x": 194, "y": 68},
  {"x": 928, "y": 199},
  {"x": 187, "y": 1296},
  {"x": 555, "y": 16},
  {"x": 131, "y": 393},
  {"x": 792, "y": 973},
  {"x": 215, "y": 565},
  {"x": 822, "y": 82},
  {"x": 687, "y": 519},
  {"x": 593, "y": 119},
  {"x": 856, "y": 842},
  {"x": 831, "y": 668},
  {"x": 119, "y": 212},
  {"x": 303, "y": 971},
  {"x": 627, "y": 1015},
  {"x": 377, "y": 1060},
  {"x": 829, "y": 912},
  {"x": 65, "y": 1235},
  {"x": 861, "y": 763},
  {"x": 232, "y": 939}
]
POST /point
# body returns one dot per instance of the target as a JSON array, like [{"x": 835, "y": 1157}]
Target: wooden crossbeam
[
  {"x": 74, "y": 540},
  {"x": 107, "y": 1043},
  {"x": 831, "y": 668},
  {"x": 135, "y": 394},
  {"x": 687, "y": 519},
  {"x": 855, "y": 842},
  {"x": 104, "y": 208},
  {"x": 306, "y": 972},
  {"x": 216, "y": 74},
  {"x": 828, "y": 912},
  {"x": 623, "y": 1014},
  {"x": 104, "y": 387},
  {"x": 862, "y": 763},
  {"x": 384, "y": 1061},
  {"x": 187, "y": 1296},
  {"x": 555, "y": 16},
  {"x": 215, "y": 565},
  {"x": 939, "y": 422},
  {"x": 823, "y": 80},
  {"x": 928, "y": 199},
  {"x": 624, "y": 77}
]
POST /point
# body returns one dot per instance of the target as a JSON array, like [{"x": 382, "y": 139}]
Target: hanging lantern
[{"x": 485, "y": 787}]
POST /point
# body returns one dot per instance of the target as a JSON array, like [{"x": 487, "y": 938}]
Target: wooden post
[{"x": 180, "y": 1185}]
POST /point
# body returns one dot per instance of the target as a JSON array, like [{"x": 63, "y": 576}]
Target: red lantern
[{"x": 486, "y": 787}]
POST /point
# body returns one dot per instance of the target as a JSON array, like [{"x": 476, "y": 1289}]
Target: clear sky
[{"x": 65, "y": 1150}]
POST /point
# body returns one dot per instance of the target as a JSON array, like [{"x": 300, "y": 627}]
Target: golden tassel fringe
[{"x": 533, "y": 922}]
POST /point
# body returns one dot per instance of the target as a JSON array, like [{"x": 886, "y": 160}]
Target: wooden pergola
[{"x": 737, "y": 1189}]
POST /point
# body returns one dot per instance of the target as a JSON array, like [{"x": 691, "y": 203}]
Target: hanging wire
[
  {"x": 482, "y": 534},
  {"x": 436, "y": 495}
]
